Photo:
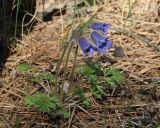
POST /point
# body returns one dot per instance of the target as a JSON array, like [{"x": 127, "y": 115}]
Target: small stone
[{"x": 119, "y": 52}]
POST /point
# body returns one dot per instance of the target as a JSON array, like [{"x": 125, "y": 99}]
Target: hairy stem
[
  {"x": 58, "y": 67},
  {"x": 74, "y": 63},
  {"x": 65, "y": 70}
]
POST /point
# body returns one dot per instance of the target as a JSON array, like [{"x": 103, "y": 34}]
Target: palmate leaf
[
  {"x": 83, "y": 98},
  {"x": 89, "y": 72},
  {"x": 113, "y": 77},
  {"x": 36, "y": 79},
  {"x": 46, "y": 107},
  {"x": 108, "y": 72},
  {"x": 94, "y": 66},
  {"x": 42, "y": 101},
  {"x": 97, "y": 91},
  {"x": 55, "y": 101},
  {"x": 28, "y": 101},
  {"x": 65, "y": 114},
  {"x": 24, "y": 68},
  {"x": 110, "y": 82},
  {"x": 85, "y": 70},
  {"x": 118, "y": 78},
  {"x": 86, "y": 103},
  {"x": 92, "y": 78},
  {"x": 43, "y": 76},
  {"x": 96, "y": 94}
]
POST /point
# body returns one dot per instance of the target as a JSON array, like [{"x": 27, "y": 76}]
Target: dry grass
[{"x": 138, "y": 36}]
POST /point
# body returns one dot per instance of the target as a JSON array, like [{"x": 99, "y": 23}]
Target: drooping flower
[
  {"x": 104, "y": 27},
  {"x": 102, "y": 43},
  {"x": 86, "y": 47}
]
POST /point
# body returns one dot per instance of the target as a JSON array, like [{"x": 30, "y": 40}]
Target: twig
[
  {"x": 70, "y": 120},
  {"x": 85, "y": 111},
  {"x": 7, "y": 124}
]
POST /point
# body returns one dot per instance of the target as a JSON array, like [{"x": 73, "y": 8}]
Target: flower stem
[
  {"x": 74, "y": 64},
  {"x": 65, "y": 70},
  {"x": 58, "y": 67}
]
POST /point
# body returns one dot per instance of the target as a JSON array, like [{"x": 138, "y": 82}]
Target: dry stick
[
  {"x": 33, "y": 17},
  {"x": 70, "y": 120},
  {"x": 80, "y": 120},
  {"x": 6, "y": 122},
  {"x": 61, "y": 18},
  {"x": 135, "y": 36},
  {"x": 85, "y": 111}
]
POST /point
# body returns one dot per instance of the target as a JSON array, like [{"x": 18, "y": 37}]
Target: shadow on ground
[
  {"x": 9, "y": 31},
  {"x": 8, "y": 25}
]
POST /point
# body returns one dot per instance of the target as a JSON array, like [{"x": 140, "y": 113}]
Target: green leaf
[
  {"x": 92, "y": 79},
  {"x": 97, "y": 95},
  {"x": 77, "y": 91},
  {"x": 65, "y": 114},
  {"x": 28, "y": 101},
  {"x": 86, "y": 70},
  {"x": 97, "y": 91},
  {"x": 24, "y": 68},
  {"x": 86, "y": 103},
  {"x": 113, "y": 77},
  {"x": 118, "y": 77},
  {"x": 36, "y": 79},
  {"x": 42, "y": 101},
  {"x": 55, "y": 101},
  {"x": 43, "y": 76},
  {"x": 83, "y": 98}
]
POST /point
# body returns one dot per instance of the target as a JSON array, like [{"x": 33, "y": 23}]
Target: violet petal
[
  {"x": 104, "y": 27},
  {"x": 102, "y": 43},
  {"x": 86, "y": 47}
]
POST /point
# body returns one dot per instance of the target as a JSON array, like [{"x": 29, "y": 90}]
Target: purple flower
[
  {"x": 86, "y": 47},
  {"x": 104, "y": 27},
  {"x": 102, "y": 43}
]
